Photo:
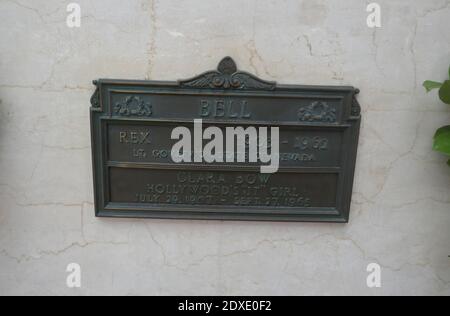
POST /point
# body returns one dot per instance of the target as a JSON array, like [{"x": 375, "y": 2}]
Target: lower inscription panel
[{"x": 222, "y": 188}]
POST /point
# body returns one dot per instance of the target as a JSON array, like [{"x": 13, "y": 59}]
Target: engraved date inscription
[
  {"x": 218, "y": 189},
  {"x": 312, "y": 143}
]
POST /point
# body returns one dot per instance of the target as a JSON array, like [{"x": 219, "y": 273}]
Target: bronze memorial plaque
[{"x": 145, "y": 166}]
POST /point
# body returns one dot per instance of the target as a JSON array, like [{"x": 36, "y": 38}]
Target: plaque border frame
[{"x": 225, "y": 81}]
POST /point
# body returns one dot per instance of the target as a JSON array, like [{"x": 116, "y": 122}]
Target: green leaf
[
  {"x": 448, "y": 163},
  {"x": 442, "y": 140},
  {"x": 444, "y": 92},
  {"x": 441, "y": 130},
  {"x": 430, "y": 85}
]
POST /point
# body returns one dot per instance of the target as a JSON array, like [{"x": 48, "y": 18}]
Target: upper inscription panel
[{"x": 136, "y": 175}]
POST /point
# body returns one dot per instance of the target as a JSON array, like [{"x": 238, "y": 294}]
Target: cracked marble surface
[{"x": 401, "y": 203}]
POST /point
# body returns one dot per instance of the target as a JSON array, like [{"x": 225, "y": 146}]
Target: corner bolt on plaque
[{"x": 132, "y": 124}]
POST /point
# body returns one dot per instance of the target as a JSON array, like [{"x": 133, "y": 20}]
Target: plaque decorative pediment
[{"x": 227, "y": 76}]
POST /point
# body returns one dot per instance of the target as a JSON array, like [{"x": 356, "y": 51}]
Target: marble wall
[{"x": 400, "y": 215}]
